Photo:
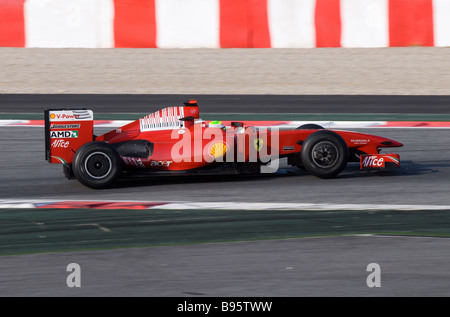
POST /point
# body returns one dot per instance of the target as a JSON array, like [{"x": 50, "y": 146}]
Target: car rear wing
[{"x": 66, "y": 130}]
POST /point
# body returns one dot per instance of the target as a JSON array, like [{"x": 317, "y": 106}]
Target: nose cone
[{"x": 391, "y": 143}]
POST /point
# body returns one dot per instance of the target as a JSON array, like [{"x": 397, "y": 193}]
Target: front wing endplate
[{"x": 374, "y": 161}]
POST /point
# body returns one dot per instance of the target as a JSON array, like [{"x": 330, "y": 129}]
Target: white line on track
[
  {"x": 102, "y": 228},
  {"x": 5, "y": 204}
]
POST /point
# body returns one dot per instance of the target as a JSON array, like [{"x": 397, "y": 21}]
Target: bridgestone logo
[
  {"x": 65, "y": 126},
  {"x": 63, "y": 134}
]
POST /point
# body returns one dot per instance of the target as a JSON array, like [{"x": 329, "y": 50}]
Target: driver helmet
[{"x": 217, "y": 124}]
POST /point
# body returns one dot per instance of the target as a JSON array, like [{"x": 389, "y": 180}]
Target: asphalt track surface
[
  {"x": 238, "y": 266},
  {"x": 138, "y": 103}
]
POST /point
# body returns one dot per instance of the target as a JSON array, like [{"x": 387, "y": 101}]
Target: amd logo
[{"x": 63, "y": 134}]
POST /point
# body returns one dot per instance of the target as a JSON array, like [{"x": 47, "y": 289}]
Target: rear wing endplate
[{"x": 66, "y": 130}]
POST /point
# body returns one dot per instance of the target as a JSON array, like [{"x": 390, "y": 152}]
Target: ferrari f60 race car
[{"x": 175, "y": 141}]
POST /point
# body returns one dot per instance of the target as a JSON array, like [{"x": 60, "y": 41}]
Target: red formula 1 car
[{"x": 175, "y": 141}]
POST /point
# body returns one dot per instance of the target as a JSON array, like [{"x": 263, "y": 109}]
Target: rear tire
[
  {"x": 310, "y": 126},
  {"x": 324, "y": 154},
  {"x": 96, "y": 165}
]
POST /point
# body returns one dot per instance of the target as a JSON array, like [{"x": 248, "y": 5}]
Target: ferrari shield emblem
[{"x": 258, "y": 143}]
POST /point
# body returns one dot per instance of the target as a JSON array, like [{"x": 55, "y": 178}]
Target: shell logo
[
  {"x": 218, "y": 149},
  {"x": 52, "y": 116}
]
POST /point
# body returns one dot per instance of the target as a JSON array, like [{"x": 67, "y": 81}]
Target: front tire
[
  {"x": 324, "y": 154},
  {"x": 96, "y": 165}
]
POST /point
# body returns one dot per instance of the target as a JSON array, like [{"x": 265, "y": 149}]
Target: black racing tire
[
  {"x": 96, "y": 165},
  {"x": 310, "y": 126},
  {"x": 324, "y": 154}
]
